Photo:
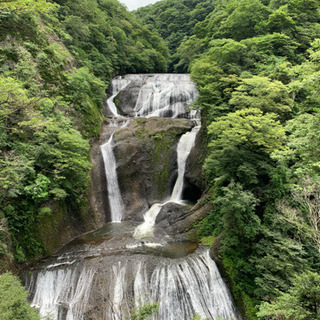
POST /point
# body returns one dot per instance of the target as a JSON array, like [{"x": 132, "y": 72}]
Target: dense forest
[{"x": 256, "y": 66}]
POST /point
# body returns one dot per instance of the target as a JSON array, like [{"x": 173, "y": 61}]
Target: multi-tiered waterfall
[{"x": 135, "y": 260}]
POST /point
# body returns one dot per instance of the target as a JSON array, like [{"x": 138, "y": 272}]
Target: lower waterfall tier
[{"x": 106, "y": 274}]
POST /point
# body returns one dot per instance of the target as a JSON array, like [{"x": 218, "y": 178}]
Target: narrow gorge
[{"x": 146, "y": 195}]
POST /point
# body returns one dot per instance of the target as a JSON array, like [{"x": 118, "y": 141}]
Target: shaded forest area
[{"x": 256, "y": 64}]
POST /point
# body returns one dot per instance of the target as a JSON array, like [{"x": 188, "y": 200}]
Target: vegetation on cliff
[
  {"x": 13, "y": 300},
  {"x": 56, "y": 59},
  {"x": 174, "y": 21}
]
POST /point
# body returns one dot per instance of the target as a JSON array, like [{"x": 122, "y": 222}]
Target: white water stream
[
  {"x": 114, "y": 195},
  {"x": 181, "y": 287},
  {"x": 185, "y": 146},
  {"x": 117, "y": 86}
]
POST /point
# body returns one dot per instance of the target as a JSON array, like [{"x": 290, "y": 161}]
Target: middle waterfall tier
[{"x": 114, "y": 195}]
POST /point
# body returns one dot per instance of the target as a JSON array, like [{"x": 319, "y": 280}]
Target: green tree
[
  {"x": 36, "y": 6},
  {"x": 13, "y": 300},
  {"x": 241, "y": 144},
  {"x": 302, "y": 154},
  {"x": 261, "y": 93},
  {"x": 302, "y": 301},
  {"x": 145, "y": 312}
]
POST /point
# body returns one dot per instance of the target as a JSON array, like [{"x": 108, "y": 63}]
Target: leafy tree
[
  {"x": 39, "y": 6},
  {"x": 243, "y": 21},
  {"x": 241, "y": 145},
  {"x": 277, "y": 258},
  {"x": 261, "y": 93},
  {"x": 145, "y": 312},
  {"x": 302, "y": 301},
  {"x": 302, "y": 153},
  {"x": 304, "y": 216},
  {"x": 174, "y": 21},
  {"x": 306, "y": 80},
  {"x": 13, "y": 300}
]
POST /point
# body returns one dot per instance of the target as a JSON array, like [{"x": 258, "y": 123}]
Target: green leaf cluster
[
  {"x": 13, "y": 300},
  {"x": 107, "y": 39},
  {"x": 174, "y": 20}
]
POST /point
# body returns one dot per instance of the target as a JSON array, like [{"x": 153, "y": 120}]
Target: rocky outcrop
[
  {"x": 195, "y": 182},
  {"x": 146, "y": 165},
  {"x": 176, "y": 219}
]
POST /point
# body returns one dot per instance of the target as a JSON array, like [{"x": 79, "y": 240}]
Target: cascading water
[
  {"x": 114, "y": 195},
  {"x": 185, "y": 145},
  {"x": 105, "y": 274},
  {"x": 165, "y": 96},
  {"x": 117, "y": 86}
]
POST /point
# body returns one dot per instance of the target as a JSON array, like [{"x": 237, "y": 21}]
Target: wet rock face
[
  {"x": 127, "y": 99},
  {"x": 146, "y": 158},
  {"x": 195, "y": 182}
]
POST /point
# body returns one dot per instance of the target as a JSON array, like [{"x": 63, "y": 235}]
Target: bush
[{"x": 13, "y": 300}]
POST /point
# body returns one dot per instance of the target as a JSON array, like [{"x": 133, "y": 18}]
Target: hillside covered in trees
[
  {"x": 57, "y": 59},
  {"x": 256, "y": 65}
]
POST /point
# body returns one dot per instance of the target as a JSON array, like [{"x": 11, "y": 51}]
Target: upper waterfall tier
[
  {"x": 152, "y": 95},
  {"x": 131, "y": 98}
]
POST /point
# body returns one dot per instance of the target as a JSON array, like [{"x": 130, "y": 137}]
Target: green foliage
[
  {"x": 261, "y": 93},
  {"x": 277, "y": 259},
  {"x": 240, "y": 147},
  {"x": 256, "y": 65},
  {"x": 145, "y": 312},
  {"x": 198, "y": 317},
  {"x": 174, "y": 21},
  {"x": 301, "y": 302},
  {"x": 39, "y": 6},
  {"x": 302, "y": 156},
  {"x": 108, "y": 40},
  {"x": 13, "y": 300}
]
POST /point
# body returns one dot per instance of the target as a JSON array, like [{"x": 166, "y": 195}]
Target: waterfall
[
  {"x": 114, "y": 195},
  {"x": 117, "y": 86},
  {"x": 181, "y": 288},
  {"x": 145, "y": 230},
  {"x": 164, "y": 96},
  {"x": 105, "y": 274},
  {"x": 185, "y": 146},
  {"x": 191, "y": 286},
  {"x": 62, "y": 293}
]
